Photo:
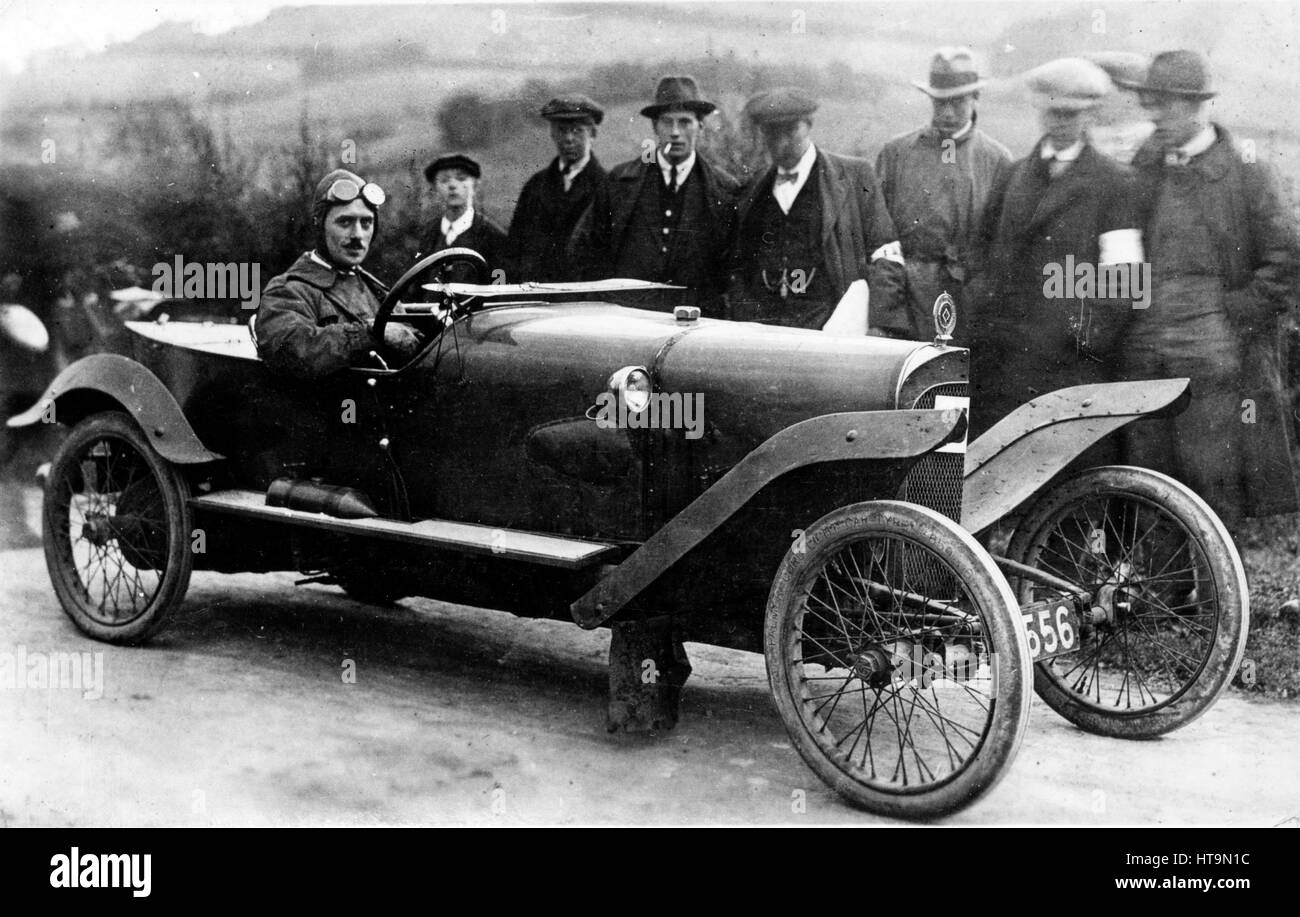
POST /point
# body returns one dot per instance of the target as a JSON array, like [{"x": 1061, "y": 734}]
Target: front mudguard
[
  {"x": 107, "y": 381},
  {"x": 900, "y": 437},
  {"x": 1027, "y": 448}
]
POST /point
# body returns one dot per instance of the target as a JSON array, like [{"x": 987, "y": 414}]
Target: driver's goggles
[{"x": 345, "y": 190}]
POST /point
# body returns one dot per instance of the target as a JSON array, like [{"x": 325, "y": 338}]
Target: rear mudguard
[
  {"x": 897, "y": 436},
  {"x": 107, "y": 381},
  {"x": 1024, "y": 450}
]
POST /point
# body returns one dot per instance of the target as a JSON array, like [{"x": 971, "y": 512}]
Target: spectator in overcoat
[
  {"x": 936, "y": 181},
  {"x": 1059, "y": 215},
  {"x": 1224, "y": 253},
  {"x": 553, "y": 199}
]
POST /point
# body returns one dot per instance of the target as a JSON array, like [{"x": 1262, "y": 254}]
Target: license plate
[{"x": 1052, "y": 628}]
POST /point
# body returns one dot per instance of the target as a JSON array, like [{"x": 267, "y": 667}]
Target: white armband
[
  {"x": 1121, "y": 246},
  {"x": 890, "y": 251}
]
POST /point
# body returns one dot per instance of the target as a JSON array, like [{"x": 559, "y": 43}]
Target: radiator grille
[{"x": 935, "y": 481}]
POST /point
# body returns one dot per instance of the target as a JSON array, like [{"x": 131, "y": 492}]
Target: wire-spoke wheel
[
  {"x": 895, "y": 659},
  {"x": 1170, "y": 607},
  {"x": 117, "y": 530}
]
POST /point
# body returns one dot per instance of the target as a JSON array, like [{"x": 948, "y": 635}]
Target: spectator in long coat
[
  {"x": 1063, "y": 205},
  {"x": 553, "y": 199},
  {"x": 1225, "y": 260},
  {"x": 936, "y": 182},
  {"x": 455, "y": 180},
  {"x": 809, "y": 226},
  {"x": 664, "y": 218}
]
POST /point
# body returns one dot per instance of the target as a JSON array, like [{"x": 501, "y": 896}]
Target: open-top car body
[{"x": 801, "y": 494}]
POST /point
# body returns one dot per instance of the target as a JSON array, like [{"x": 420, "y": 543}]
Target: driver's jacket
[{"x": 314, "y": 320}]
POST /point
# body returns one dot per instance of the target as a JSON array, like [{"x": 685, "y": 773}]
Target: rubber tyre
[
  {"x": 155, "y": 530},
  {"x": 989, "y": 601},
  {"x": 1222, "y": 577}
]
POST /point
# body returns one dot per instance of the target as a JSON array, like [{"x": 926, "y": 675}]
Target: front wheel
[
  {"x": 1170, "y": 608},
  {"x": 895, "y": 660},
  {"x": 117, "y": 530}
]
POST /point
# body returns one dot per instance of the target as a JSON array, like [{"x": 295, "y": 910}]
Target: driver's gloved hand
[{"x": 401, "y": 339}]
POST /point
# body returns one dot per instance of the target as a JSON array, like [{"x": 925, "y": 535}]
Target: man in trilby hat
[
  {"x": 1224, "y": 256},
  {"x": 664, "y": 217},
  {"x": 315, "y": 318},
  {"x": 1064, "y": 205},
  {"x": 936, "y": 181},
  {"x": 809, "y": 226},
  {"x": 553, "y": 199}
]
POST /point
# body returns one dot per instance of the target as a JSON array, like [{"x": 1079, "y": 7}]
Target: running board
[{"x": 549, "y": 550}]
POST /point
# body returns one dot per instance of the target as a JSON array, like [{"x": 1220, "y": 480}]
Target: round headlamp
[{"x": 631, "y": 386}]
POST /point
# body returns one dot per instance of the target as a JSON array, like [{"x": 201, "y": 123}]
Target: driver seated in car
[{"x": 315, "y": 319}]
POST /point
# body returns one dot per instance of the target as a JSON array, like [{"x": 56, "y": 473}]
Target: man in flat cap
[
  {"x": 1224, "y": 255},
  {"x": 554, "y": 198},
  {"x": 809, "y": 226},
  {"x": 315, "y": 318},
  {"x": 936, "y": 182},
  {"x": 665, "y": 217},
  {"x": 455, "y": 180},
  {"x": 1063, "y": 209}
]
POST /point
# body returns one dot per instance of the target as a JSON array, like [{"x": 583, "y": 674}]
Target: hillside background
[{"x": 205, "y": 145}]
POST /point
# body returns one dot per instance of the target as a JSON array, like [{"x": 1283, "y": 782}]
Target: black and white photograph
[{"x": 520, "y": 414}]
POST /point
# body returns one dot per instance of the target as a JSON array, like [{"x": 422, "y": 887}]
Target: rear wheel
[
  {"x": 895, "y": 661},
  {"x": 1170, "y": 606},
  {"x": 117, "y": 530}
]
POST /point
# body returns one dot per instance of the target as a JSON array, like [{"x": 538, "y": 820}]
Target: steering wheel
[{"x": 438, "y": 261}]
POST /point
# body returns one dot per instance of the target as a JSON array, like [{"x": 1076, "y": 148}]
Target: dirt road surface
[{"x": 240, "y": 714}]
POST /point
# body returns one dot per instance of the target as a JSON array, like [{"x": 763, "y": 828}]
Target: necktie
[
  {"x": 1177, "y": 157},
  {"x": 786, "y": 176},
  {"x": 672, "y": 179}
]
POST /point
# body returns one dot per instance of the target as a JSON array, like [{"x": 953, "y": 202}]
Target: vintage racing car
[{"x": 801, "y": 494}]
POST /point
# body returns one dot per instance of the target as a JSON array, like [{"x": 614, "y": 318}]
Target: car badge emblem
[{"x": 945, "y": 319}]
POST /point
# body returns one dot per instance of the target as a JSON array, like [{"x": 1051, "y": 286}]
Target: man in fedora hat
[
  {"x": 1224, "y": 256},
  {"x": 809, "y": 226},
  {"x": 936, "y": 182},
  {"x": 664, "y": 217},
  {"x": 553, "y": 199},
  {"x": 455, "y": 178},
  {"x": 1062, "y": 206}
]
